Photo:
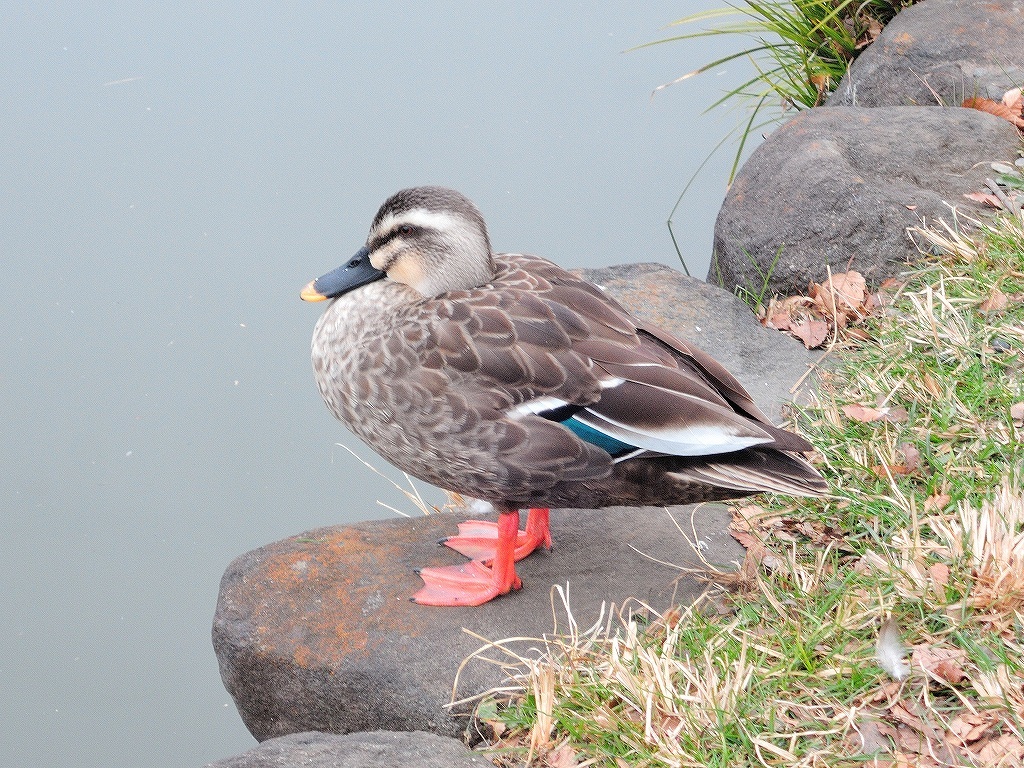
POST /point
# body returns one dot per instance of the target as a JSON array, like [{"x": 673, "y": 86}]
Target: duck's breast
[{"x": 428, "y": 384}]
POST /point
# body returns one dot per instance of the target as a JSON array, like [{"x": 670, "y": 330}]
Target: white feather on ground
[{"x": 889, "y": 650}]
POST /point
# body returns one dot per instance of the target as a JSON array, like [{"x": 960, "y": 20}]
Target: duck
[{"x": 504, "y": 377}]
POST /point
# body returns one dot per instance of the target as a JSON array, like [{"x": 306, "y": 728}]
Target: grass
[
  {"x": 800, "y": 48},
  {"x": 778, "y": 664}
]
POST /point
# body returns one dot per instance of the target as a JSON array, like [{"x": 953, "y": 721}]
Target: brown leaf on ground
[
  {"x": 841, "y": 295},
  {"x": 885, "y": 692},
  {"x": 746, "y": 539},
  {"x": 937, "y": 502},
  {"x": 994, "y": 108},
  {"x": 1017, "y": 414},
  {"x": 867, "y": 414},
  {"x": 911, "y": 459},
  {"x": 945, "y": 663},
  {"x": 939, "y": 573},
  {"x": 969, "y": 726},
  {"x": 931, "y": 385},
  {"x": 918, "y": 738},
  {"x": 911, "y": 732},
  {"x": 867, "y": 37},
  {"x": 903, "y": 760},
  {"x": 811, "y": 332},
  {"x": 996, "y": 300},
  {"x": 884, "y": 470},
  {"x": 1006, "y": 750},
  {"x": 859, "y": 334},
  {"x": 897, "y": 415},
  {"x": 561, "y": 757},
  {"x": 781, "y": 313},
  {"x": 829, "y": 306},
  {"x": 911, "y": 456},
  {"x": 863, "y": 413},
  {"x": 871, "y": 736},
  {"x": 1014, "y": 100},
  {"x": 984, "y": 198},
  {"x": 780, "y": 321},
  {"x": 755, "y": 555}
]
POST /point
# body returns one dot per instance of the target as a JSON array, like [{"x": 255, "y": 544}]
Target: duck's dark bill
[{"x": 356, "y": 272}]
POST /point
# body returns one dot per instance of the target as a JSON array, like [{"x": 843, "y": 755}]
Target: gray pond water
[{"x": 170, "y": 178}]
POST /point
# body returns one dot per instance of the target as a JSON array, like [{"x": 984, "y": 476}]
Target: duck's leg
[
  {"x": 477, "y": 538},
  {"x": 474, "y": 583}
]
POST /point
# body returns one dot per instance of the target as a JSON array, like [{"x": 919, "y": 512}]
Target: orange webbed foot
[
  {"x": 478, "y": 539},
  {"x": 468, "y": 584},
  {"x": 474, "y": 583}
]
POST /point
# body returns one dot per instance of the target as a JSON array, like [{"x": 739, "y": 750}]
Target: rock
[
  {"x": 379, "y": 749},
  {"x": 838, "y": 186},
  {"x": 316, "y": 632},
  {"x": 939, "y": 52}
]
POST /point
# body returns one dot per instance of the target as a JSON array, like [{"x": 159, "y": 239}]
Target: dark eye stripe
[{"x": 411, "y": 230}]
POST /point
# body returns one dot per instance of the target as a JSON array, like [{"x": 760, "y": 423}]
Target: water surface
[{"x": 171, "y": 177}]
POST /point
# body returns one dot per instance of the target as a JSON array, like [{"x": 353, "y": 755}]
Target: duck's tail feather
[{"x": 754, "y": 470}]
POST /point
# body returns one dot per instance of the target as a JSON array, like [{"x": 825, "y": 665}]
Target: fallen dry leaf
[
  {"x": 863, "y": 413},
  {"x": 1017, "y": 414},
  {"x": 1013, "y": 99},
  {"x": 867, "y": 414},
  {"x": 884, "y": 470},
  {"x": 931, "y": 385},
  {"x": 561, "y": 757},
  {"x": 841, "y": 294},
  {"x": 746, "y": 539},
  {"x": 811, "y": 332},
  {"x": 996, "y": 300},
  {"x": 896, "y": 415},
  {"x": 937, "y": 502},
  {"x": 969, "y": 726},
  {"x": 779, "y": 321},
  {"x": 859, "y": 334},
  {"x": 994, "y": 108},
  {"x": 867, "y": 37},
  {"x": 945, "y": 663},
  {"x": 870, "y": 737},
  {"x": 830, "y": 306},
  {"x": 911, "y": 456},
  {"x": 984, "y": 198},
  {"x": 939, "y": 573},
  {"x": 1006, "y": 750}
]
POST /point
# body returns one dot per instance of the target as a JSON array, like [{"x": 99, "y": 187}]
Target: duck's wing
[{"x": 560, "y": 349}]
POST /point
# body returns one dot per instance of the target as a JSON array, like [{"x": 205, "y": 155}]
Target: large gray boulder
[
  {"x": 940, "y": 52},
  {"x": 379, "y": 749},
  {"x": 837, "y": 187},
  {"x": 316, "y": 632}
]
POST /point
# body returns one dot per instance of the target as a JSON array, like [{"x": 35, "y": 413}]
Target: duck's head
[{"x": 432, "y": 239}]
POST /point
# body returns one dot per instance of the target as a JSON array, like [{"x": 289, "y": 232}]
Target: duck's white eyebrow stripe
[{"x": 421, "y": 217}]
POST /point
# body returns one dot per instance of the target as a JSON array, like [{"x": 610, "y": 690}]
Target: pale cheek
[{"x": 407, "y": 271}]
